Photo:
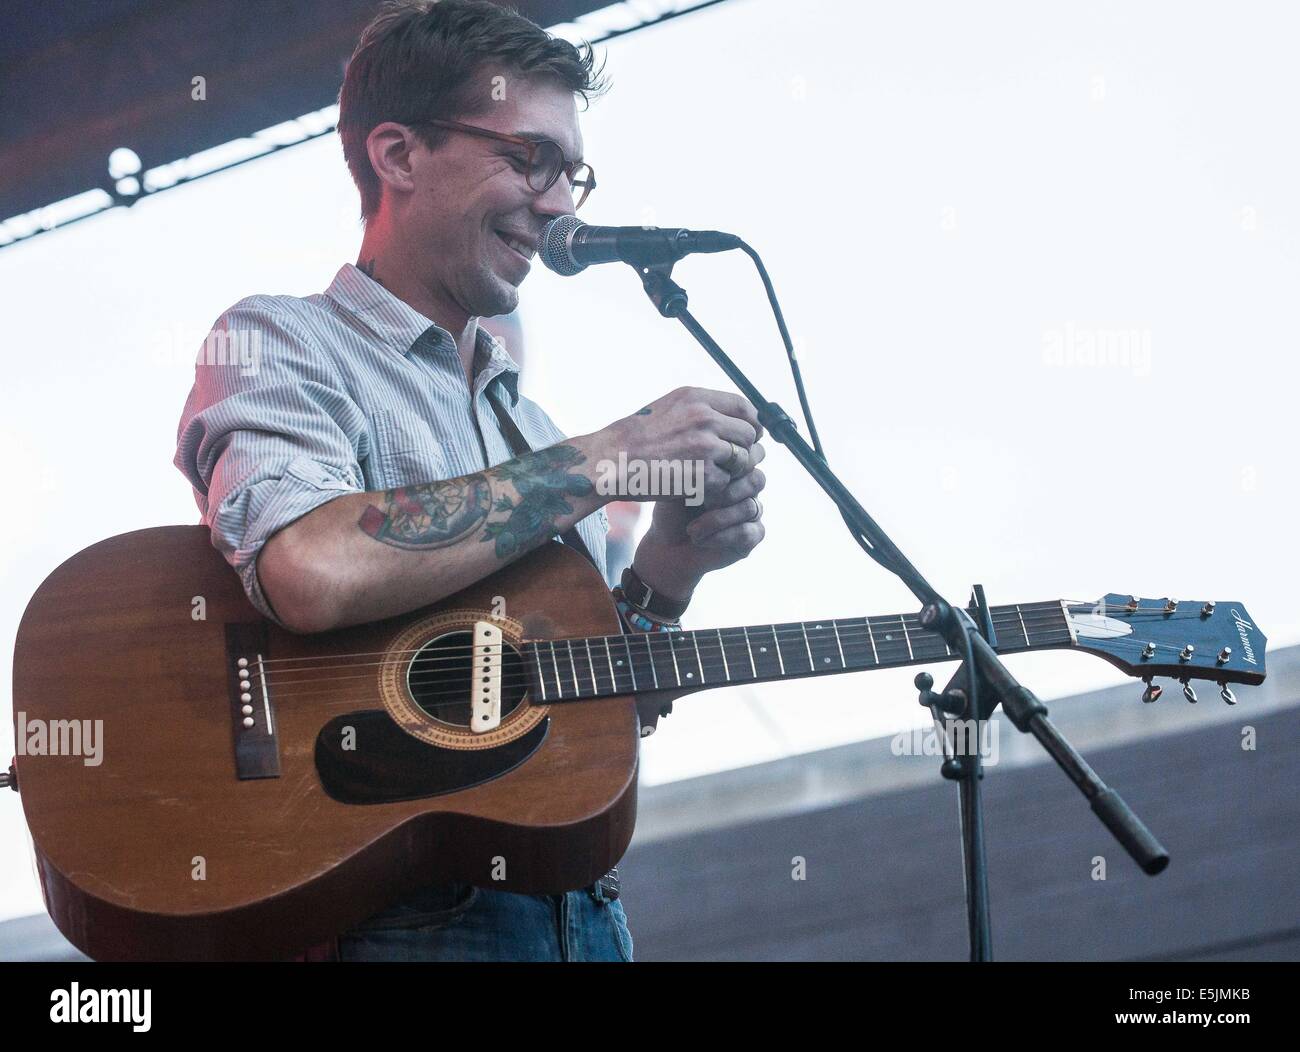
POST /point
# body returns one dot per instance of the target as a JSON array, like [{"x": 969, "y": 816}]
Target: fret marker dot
[
  {"x": 619, "y": 661},
  {"x": 826, "y": 661},
  {"x": 689, "y": 675},
  {"x": 762, "y": 650},
  {"x": 887, "y": 636}
]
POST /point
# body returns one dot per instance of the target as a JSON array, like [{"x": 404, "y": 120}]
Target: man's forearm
[{"x": 366, "y": 556}]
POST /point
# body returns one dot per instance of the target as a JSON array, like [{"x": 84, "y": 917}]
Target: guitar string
[
  {"x": 455, "y": 654},
  {"x": 1031, "y": 614},
  {"x": 708, "y": 635},
  {"x": 912, "y": 620},
  {"x": 526, "y": 682}
]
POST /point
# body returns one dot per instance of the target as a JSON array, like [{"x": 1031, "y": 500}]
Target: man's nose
[{"x": 557, "y": 201}]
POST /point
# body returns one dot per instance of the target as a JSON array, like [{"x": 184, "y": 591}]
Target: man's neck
[{"x": 387, "y": 268}]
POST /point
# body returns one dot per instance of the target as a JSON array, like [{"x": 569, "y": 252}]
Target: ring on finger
[
  {"x": 736, "y": 461},
  {"x": 758, "y": 510}
]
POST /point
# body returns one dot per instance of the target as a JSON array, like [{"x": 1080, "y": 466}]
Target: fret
[
  {"x": 838, "y": 645},
  {"x": 1021, "y": 618},
  {"x": 908, "y": 640},
  {"x": 875, "y": 658},
  {"x": 792, "y": 646},
  {"x": 631, "y": 665},
  {"x": 686, "y": 658},
  {"x": 726, "y": 672},
  {"x": 573, "y": 668},
  {"x": 541, "y": 676},
  {"x": 663, "y": 665},
  {"x": 892, "y": 648},
  {"x": 823, "y": 647},
  {"x": 555, "y": 664},
  {"x": 803, "y": 627},
  {"x": 620, "y": 671},
  {"x": 609, "y": 660},
  {"x": 856, "y": 639},
  {"x": 643, "y": 655},
  {"x": 709, "y": 654},
  {"x": 750, "y": 647},
  {"x": 735, "y": 650},
  {"x": 582, "y": 673},
  {"x": 768, "y": 663},
  {"x": 600, "y": 685}
]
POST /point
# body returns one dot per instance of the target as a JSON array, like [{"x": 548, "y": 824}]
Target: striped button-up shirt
[{"x": 299, "y": 400}]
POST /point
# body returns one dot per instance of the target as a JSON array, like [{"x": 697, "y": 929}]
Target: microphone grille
[{"x": 553, "y": 245}]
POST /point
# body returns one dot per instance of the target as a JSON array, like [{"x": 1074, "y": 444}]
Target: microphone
[{"x": 568, "y": 245}]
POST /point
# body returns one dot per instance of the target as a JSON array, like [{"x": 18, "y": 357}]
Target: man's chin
[{"x": 499, "y": 297}]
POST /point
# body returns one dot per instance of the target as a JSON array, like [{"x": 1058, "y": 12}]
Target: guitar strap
[{"x": 519, "y": 446}]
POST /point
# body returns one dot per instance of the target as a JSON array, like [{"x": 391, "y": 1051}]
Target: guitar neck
[{"x": 603, "y": 666}]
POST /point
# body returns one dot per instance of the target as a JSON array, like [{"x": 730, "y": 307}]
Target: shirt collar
[{"x": 405, "y": 330}]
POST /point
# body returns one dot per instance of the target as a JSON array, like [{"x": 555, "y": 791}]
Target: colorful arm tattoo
[{"x": 437, "y": 514}]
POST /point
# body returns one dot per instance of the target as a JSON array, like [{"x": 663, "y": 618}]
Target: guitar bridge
[
  {"x": 257, "y": 750},
  {"x": 485, "y": 680}
]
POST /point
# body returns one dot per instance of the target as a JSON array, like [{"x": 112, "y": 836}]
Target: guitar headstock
[{"x": 1183, "y": 640}]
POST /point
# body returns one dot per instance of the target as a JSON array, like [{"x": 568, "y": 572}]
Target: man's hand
[
  {"x": 684, "y": 543},
  {"x": 708, "y": 433}
]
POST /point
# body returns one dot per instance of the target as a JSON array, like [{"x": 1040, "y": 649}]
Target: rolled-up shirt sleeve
[{"x": 268, "y": 434}]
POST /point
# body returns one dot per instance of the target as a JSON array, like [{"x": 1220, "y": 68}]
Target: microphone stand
[{"x": 982, "y": 681}]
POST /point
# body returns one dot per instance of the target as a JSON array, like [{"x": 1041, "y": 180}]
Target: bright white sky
[{"x": 942, "y": 193}]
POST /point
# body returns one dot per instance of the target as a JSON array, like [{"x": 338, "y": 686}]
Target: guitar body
[{"x": 197, "y": 836}]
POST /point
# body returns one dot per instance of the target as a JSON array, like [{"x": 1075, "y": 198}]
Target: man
[{"x": 361, "y": 470}]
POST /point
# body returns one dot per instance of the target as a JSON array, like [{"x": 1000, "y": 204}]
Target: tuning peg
[
  {"x": 1132, "y": 604},
  {"x": 1152, "y": 693},
  {"x": 1149, "y": 650},
  {"x": 1224, "y": 654},
  {"x": 1188, "y": 693},
  {"x": 1207, "y": 609},
  {"x": 1225, "y": 692},
  {"x": 1186, "y": 653}
]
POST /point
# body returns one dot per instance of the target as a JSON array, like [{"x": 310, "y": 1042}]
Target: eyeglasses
[{"x": 543, "y": 164}]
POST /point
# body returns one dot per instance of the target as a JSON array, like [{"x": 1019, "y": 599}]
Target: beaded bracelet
[{"x": 638, "y": 619}]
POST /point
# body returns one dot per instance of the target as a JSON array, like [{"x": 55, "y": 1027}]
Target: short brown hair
[{"x": 417, "y": 59}]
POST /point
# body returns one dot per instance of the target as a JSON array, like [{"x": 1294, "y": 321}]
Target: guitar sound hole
[{"x": 439, "y": 678}]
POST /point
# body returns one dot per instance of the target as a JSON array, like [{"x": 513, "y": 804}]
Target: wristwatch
[{"x": 640, "y": 594}]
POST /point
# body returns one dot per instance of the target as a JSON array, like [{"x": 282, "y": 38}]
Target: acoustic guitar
[{"x": 202, "y": 784}]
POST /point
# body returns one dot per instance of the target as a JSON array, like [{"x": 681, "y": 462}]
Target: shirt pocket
[{"x": 406, "y": 453}]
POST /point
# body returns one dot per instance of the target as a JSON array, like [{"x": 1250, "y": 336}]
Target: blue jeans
[{"x": 459, "y": 922}]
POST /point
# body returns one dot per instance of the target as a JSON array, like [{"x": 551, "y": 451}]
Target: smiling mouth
[{"x": 516, "y": 245}]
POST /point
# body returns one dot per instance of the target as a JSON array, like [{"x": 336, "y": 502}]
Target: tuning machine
[
  {"x": 1188, "y": 692},
  {"x": 1225, "y": 692},
  {"x": 1152, "y": 693}
]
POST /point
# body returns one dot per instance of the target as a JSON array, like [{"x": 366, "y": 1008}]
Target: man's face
[{"x": 472, "y": 189}]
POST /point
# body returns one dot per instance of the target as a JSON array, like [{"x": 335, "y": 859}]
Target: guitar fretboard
[{"x": 601, "y": 666}]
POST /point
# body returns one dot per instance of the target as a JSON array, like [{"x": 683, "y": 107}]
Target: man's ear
[{"x": 389, "y": 148}]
